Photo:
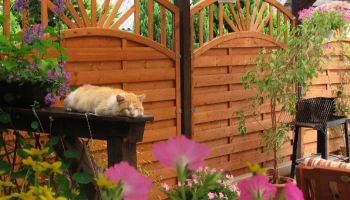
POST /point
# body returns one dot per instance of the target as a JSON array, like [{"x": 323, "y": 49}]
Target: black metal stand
[{"x": 321, "y": 137}]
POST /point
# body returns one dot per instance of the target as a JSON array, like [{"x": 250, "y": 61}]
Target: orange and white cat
[{"x": 105, "y": 101}]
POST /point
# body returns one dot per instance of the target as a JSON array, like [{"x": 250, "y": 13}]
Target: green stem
[
  {"x": 182, "y": 189},
  {"x": 25, "y": 179}
]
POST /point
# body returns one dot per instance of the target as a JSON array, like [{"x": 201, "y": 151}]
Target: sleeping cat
[{"x": 105, "y": 101}]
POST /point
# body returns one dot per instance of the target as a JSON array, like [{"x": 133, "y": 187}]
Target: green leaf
[
  {"x": 5, "y": 118},
  {"x": 63, "y": 57},
  {"x": 65, "y": 163},
  {"x": 64, "y": 186},
  {"x": 54, "y": 140},
  {"x": 72, "y": 153},
  {"x": 2, "y": 19},
  {"x": 9, "y": 64},
  {"x": 39, "y": 48},
  {"x": 20, "y": 174},
  {"x": 5, "y": 166},
  {"x": 3, "y": 39},
  {"x": 35, "y": 125},
  {"x": 8, "y": 97},
  {"x": 82, "y": 178}
]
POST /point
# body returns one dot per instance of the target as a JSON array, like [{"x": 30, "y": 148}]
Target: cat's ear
[
  {"x": 142, "y": 97},
  {"x": 120, "y": 98}
]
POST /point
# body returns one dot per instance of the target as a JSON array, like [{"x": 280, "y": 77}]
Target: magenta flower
[
  {"x": 135, "y": 186},
  {"x": 179, "y": 152},
  {"x": 257, "y": 185},
  {"x": 293, "y": 192},
  {"x": 166, "y": 187}
]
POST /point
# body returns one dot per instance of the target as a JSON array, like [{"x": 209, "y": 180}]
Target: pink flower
[
  {"x": 221, "y": 195},
  {"x": 293, "y": 192},
  {"x": 180, "y": 151},
  {"x": 256, "y": 184},
  {"x": 135, "y": 186},
  {"x": 211, "y": 195},
  {"x": 166, "y": 186}
]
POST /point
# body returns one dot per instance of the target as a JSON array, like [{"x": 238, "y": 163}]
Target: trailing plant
[{"x": 276, "y": 75}]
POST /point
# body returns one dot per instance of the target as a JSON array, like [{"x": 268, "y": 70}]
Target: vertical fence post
[{"x": 185, "y": 63}]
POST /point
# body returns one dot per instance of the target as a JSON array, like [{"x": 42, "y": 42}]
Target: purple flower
[
  {"x": 65, "y": 75},
  {"x": 50, "y": 99},
  {"x": 10, "y": 77},
  {"x": 33, "y": 33},
  {"x": 59, "y": 6},
  {"x": 63, "y": 89},
  {"x": 327, "y": 46},
  {"x": 20, "y": 5},
  {"x": 326, "y": 57},
  {"x": 52, "y": 76},
  {"x": 18, "y": 79},
  {"x": 18, "y": 73}
]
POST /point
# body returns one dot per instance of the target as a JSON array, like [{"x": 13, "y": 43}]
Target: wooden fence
[
  {"x": 218, "y": 65},
  {"x": 102, "y": 54},
  {"x": 226, "y": 39}
]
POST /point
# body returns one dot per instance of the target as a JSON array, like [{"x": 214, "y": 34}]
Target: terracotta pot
[{"x": 280, "y": 187}]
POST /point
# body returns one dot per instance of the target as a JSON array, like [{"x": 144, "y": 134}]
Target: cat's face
[{"x": 130, "y": 104}]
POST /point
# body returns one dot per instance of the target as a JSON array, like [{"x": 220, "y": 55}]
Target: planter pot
[
  {"x": 24, "y": 95},
  {"x": 328, "y": 34},
  {"x": 280, "y": 187}
]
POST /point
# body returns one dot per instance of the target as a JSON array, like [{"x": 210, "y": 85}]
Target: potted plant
[
  {"x": 331, "y": 18},
  {"x": 26, "y": 66},
  {"x": 275, "y": 78}
]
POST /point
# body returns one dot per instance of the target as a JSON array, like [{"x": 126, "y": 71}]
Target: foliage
[
  {"x": 277, "y": 72},
  {"x": 224, "y": 188},
  {"x": 24, "y": 59},
  {"x": 156, "y": 22},
  {"x": 330, "y": 18}
]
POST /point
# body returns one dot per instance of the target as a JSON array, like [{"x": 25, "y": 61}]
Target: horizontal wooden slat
[
  {"x": 326, "y": 80},
  {"x": 217, "y": 61},
  {"x": 208, "y": 80},
  {"x": 118, "y": 76},
  {"x": 162, "y": 113},
  {"x": 235, "y": 147},
  {"x": 241, "y": 162},
  {"x": 101, "y": 54},
  {"x": 219, "y": 114},
  {"x": 159, "y": 134},
  {"x": 229, "y": 131},
  {"x": 157, "y": 95},
  {"x": 209, "y": 98},
  {"x": 246, "y": 42}
]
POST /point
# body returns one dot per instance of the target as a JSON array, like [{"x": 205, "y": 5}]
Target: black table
[
  {"x": 321, "y": 137},
  {"x": 121, "y": 133}
]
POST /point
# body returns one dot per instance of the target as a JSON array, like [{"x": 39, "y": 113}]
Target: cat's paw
[{"x": 69, "y": 109}]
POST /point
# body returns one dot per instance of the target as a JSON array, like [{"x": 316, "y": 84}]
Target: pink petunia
[
  {"x": 180, "y": 151},
  {"x": 256, "y": 184},
  {"x": 293, "y": 192},
  {"x": 135, "y": 186},
  {"x": 211, "y": 195},
  {"x": 166, "y": 186}
]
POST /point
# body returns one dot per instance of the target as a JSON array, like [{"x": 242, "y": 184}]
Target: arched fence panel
[{"x": 226, "y": 39}]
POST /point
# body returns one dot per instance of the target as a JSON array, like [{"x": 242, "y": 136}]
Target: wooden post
[{"x": 185, "y": 63}]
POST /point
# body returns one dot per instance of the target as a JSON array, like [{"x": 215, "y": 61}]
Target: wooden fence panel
[
  {"x": 334, "y": 78},
  {"x": 219, "y": 62}
]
